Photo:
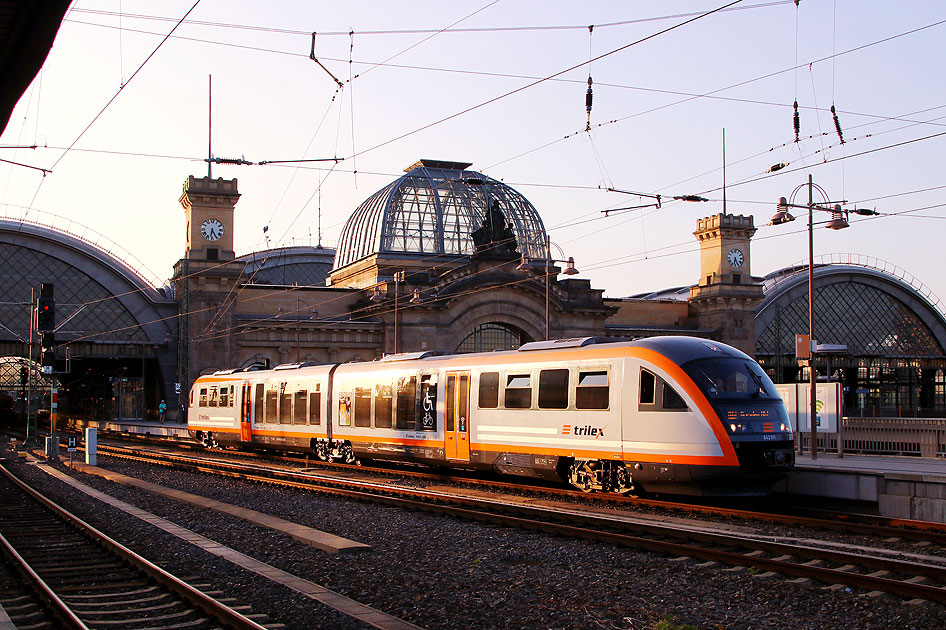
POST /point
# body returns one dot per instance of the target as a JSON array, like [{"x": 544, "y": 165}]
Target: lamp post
[
  {"x": 398, "y": 279},
  {"x": 838, "y": 222},
  {"x": 377, "y": 296},
  {"x": 569, "y": 271}
]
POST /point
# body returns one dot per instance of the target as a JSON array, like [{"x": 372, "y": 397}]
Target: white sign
[{"x": 798, "y": 403}]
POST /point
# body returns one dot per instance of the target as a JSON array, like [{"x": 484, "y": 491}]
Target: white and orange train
[{"x": 663, "y": 414}]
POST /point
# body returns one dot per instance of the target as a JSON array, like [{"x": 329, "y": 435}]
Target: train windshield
[{"x": 731, "y": 378}]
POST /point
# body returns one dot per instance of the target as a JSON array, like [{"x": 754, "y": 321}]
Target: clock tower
[
  {"x": 208, "y": 207},
  {"x": 205, "y": 277},
  {"x": 726, "y": 295}
]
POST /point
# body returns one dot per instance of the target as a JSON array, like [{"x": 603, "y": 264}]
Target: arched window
[{"x": 492, "y": 336}]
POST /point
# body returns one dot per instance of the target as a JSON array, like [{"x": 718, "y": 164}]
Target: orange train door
[
  {"x": 456, "y": 416},
  {"x": 246, "y": 413}
]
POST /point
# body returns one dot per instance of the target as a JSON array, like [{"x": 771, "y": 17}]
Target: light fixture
[
  {"x": 376, "y": 295},
  {"x": 838, "y": 219},
  {"x": 570, "y": 267},
  {"x": 524, "y": 264},
  {"x": 415, "y": 298},
  {"x": 781, "y": 213}
]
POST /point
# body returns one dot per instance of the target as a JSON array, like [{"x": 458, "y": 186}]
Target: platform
[
  {"x": 902, "y": 487},
  {"x": 138, "y": 427}
]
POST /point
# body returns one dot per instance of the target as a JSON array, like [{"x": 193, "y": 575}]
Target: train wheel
[
  {"x": 584, "y": 476},
  {"x": 210, "y": 441},
  {"x": 321, "y": 451},
  {"x": 348, "y": 455}
]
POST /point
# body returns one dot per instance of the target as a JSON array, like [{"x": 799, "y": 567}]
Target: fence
[{"x": 916, "y": 437}]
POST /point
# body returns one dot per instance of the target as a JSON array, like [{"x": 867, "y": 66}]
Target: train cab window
[
  {"x": 592, "y": 391},
  {"x": 648, "y": 389},
  {"x": 258, "y": 404},
  {"x": 362, "y": 406},
  {"x": 489, "y": 390},
  {"x": 202, "y": 400},
  {"x": 518, "y": 391},
  {"x": 382, "y": 405},
  {"x": 224, "y": 400},
  {"x": 212, "y": 397},
  {"x": 553, "y": 389},
  {"x": 285, "y": 405},
  {"x": 270, "y": 406},
  {"x": 406, "y": 403},
  {"x": 315, "y": 404},
  {"x": 658, "y": 395},
  {"x": 298, "y": 406},
  {"x": 672, "y": 399}
]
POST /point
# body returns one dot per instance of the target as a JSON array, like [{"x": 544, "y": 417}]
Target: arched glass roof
[
  {"x": 434, "y": 209},
  {"x": 871, "y": 312}
]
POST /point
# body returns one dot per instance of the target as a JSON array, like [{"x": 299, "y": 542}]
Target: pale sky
[{"x": 461, "y": 81}]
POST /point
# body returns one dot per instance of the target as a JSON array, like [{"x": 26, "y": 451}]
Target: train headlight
[
  {"x": 783, "y": 427},
  {"x": 738, "y": 428}
]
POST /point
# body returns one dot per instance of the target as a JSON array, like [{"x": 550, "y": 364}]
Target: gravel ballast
[{"x": 439, "y": 572}]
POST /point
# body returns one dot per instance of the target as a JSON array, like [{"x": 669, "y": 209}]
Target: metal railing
[{"x": 910, "y": 437}]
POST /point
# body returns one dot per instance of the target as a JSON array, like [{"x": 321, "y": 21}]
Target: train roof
[{"x": 679, "y": 349}]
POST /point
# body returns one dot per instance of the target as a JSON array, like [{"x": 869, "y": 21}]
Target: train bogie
[{"x": 611, "y": 417}]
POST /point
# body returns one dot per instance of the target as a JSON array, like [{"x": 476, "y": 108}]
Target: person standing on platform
[{"x": 162, "y": 409}]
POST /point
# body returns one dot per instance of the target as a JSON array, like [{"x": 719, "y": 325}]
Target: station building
[{"x": 446, "y": 259}]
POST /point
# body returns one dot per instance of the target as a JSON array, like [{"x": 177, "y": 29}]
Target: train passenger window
[
  {"x": 224, "y": 400},
  {"x": 592, "y": 391},
  {"x": 428, "y": 402},
  {"x": 648, "y": 388},
  {"x": 518, "y": 391},
  {"x": 285, "y": 405},
  {"x": 344, "y": 409},
  {"x": 382, "y": 405},
  {"x": 362, "y": 406},
  {"x": 315, "y": 404},
  {"x": 212, "y": 397},
  {"x": 672, "y": 399},
  {"x": 489, "y": 390},
  {"x": 270, "y": 406},
  {"x": 298, "y": 407},
  {"x": 258, "y": 404},
  {"x": 553, "y": 389},
  {"x": 202, "y": 400},
  {"x": 406, "y": 403}
]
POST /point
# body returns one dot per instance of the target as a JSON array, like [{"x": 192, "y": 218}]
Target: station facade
[{"x": 443, "y": 258}]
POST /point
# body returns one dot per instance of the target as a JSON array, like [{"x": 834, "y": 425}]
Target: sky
[{"x": 120, "y": 118}]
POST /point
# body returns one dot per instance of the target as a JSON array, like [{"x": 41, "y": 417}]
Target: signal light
[
  {"x": 47, "y": 352},
  {"x": 46, "y": 308}
]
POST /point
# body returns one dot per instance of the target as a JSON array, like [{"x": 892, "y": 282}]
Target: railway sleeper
[{"x": 599, "y": 475}]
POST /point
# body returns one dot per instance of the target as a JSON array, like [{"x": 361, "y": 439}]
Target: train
[{"x": 670, "y": 414}]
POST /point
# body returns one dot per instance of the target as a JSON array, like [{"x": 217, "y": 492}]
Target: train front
[{"x": 753, "y": 415}]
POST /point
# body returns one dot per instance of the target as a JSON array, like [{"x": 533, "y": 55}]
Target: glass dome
[{"x": 441, "y": 208}]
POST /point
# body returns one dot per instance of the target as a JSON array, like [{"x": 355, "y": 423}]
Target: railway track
[
  {"x": 86, "y": 580},
  {"x": 850, "y": 523},
  {"x": 873, "y": 572}
]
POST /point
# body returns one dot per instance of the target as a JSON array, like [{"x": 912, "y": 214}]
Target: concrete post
[{"x": 91, "y": 445}]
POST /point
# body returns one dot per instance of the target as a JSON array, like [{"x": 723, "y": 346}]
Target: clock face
[
  {"x": 735, "y": 258},
  {"x": 211, "y": 229}
]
